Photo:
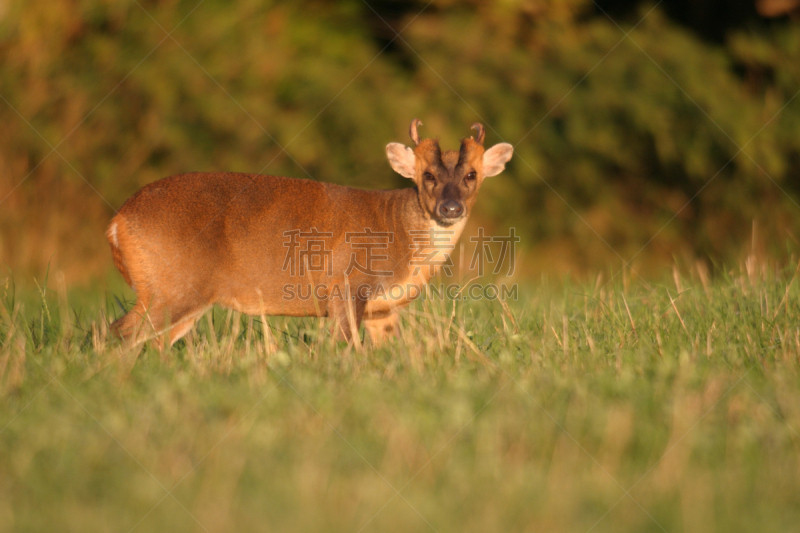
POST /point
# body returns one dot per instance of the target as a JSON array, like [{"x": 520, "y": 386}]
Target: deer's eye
[
  {"x": 429, "y": 177},
  {"x": 471, "y": 176}
]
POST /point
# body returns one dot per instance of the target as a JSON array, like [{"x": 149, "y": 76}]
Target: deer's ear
[
  {"x": 495, "y": 159},
  {"x": 402, "y": 159}
]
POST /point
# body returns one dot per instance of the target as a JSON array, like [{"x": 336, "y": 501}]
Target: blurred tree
[{"x": 680, "y": 131}]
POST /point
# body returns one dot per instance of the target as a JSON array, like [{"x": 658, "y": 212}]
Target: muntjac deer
[{"x": 269, "y": 245}]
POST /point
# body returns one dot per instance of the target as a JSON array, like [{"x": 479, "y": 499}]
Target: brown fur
[{"x": 189, "y": 241}]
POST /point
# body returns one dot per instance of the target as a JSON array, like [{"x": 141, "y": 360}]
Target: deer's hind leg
[
  {"x": 134, "y": 324},
  {"x": 150, "y": 318},
  {"x": 167, "y": 300},
  {"x": 181, "y": 328}
]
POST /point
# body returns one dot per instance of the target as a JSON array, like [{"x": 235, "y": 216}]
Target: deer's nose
[{"x": 450, "y": 209}]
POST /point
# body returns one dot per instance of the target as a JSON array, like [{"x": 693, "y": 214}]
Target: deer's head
[{"x": 448, "y": 182}]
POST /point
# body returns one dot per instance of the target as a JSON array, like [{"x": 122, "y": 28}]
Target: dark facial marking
[{"x": 463, "y": 153}]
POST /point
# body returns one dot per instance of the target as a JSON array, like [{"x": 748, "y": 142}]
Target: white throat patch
[{"x": 447, "y": 236}]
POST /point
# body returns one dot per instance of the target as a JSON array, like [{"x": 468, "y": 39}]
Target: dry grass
[{"x": 630, "y": 407}]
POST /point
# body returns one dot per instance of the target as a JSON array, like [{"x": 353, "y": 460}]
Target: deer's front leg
[
  {"x": 383, "y": 328},
  {"x": 346, "y": 315}
]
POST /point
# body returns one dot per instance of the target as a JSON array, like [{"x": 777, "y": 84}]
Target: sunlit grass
[{"x": 585, "y": 407}]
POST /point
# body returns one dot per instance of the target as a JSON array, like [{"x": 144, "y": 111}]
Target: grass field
[{"x": 622, "y": 406}]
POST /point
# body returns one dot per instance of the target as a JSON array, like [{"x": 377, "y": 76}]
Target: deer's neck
[{"x": 428, "y": 238}]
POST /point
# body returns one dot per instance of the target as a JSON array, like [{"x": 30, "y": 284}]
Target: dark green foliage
[{"x": 618, "y": 139}]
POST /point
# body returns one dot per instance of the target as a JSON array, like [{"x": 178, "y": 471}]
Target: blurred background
[{"x": 644, "y": 132}]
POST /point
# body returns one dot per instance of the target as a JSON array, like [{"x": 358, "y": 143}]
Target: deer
[{"x": 268, "y": 245}]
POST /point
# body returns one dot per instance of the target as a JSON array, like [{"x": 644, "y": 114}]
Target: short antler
[
  {"x": 481, "y": 132},
  {"x": 413, "y": 130}
]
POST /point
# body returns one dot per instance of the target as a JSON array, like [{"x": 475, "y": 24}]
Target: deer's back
[
  {"x": 225, "y": 234},
  {"x": 188, "y": 205}
]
